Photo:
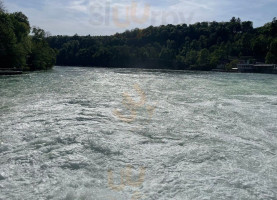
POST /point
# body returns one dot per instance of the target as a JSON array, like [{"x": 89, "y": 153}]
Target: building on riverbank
[{"x": 257, "y": 68}]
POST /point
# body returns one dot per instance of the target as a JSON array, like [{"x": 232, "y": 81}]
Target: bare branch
[{"x": 2, "y": 7}]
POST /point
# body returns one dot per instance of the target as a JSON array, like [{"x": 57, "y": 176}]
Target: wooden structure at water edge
[{"x": 10, "y": 71}]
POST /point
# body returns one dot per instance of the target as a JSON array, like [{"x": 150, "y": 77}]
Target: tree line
[
  {"x": 200, "y": 46},
  {"x": 18, "y": 48}
]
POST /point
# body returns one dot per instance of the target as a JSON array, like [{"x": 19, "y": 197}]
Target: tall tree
[
  {"x": 20, "y": 50},
  {"x": 271, "y": 56},
  {"x": 42, "y": 56}
]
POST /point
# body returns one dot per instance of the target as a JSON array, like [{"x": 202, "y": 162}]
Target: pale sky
[{"x": 106, "y": 17}]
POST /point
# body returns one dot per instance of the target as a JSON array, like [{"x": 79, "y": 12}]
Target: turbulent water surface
[{"x": 116, "y": 134}]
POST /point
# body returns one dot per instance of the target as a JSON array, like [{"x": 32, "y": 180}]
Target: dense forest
[
  {"x": 20, "y": 50},
  {"x": 200, "y": 46}
]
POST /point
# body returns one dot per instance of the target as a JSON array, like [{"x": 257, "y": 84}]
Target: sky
[{"x": 107, "y": 17}]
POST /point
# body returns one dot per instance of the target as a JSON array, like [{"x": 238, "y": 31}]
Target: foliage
[
  {"x": 232, "y": 65},
  {"x": 271, "y": 56},
  {"x": 14, "y": 40},
  {"x": 200, "y": 46},
  {"x": 20, "y": 50},
  {"x": 42, "y": 56}
]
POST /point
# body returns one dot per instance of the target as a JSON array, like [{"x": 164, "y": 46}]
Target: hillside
[{"x": 201, "y": 46}]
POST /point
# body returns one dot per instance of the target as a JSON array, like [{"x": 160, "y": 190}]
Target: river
[{"x": 125, "y": 134}]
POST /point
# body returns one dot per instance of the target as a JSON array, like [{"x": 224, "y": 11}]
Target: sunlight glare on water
[{"x": 192, "y": 135}]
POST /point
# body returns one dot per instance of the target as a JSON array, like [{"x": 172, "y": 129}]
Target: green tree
[
  {"x": 166, "y": 54},
  {"x": 203, "y": 59},
  {"x": 232, "y": 65},
  {"x": 23, "y": 46},
  {"x": 271, "y": 57},
  {"x": 191, "y": 58},
  {"x": 201, "y": 45},
  {"x": 247, "y": 27},
  {"x": 14, "y": 40},
  {"x": 259, "y": 47},
  {"x": 216, "y": 57},
  {"x": 20, "y": 50},
  {"x": 42, "y": 56},
  {"x": 273, "y": 27}
]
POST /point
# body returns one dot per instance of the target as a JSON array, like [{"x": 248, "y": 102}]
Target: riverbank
[
  {"x": 10, "y": 71},
  {"x": 7, "y": 73}
]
